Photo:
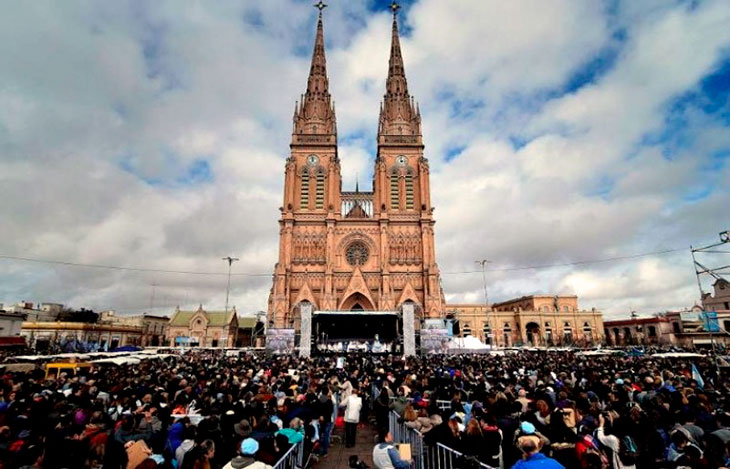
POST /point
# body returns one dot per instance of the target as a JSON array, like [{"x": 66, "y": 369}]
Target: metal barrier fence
[
  {"x": 404, "y": 434},
  {"x": 443, "y": 457},
  {"x": 425, "y": 457},
  {"x": 293, "y": 458},
  {"x": 441, "y": 404}
]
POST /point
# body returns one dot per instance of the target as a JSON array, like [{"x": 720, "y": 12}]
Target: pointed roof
[
  {"x": 214, "y": 318},
  {"x": 305, "y": 293},
  {"x": 315, "y": 113},
  {"x": 356, "y": 212},
  {"x": 408, "y": 294},
  {"x": 399, "y": 115},
  {"x": 356, "y": 285}
]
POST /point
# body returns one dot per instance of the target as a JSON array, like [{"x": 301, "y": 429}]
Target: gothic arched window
[
  {"x": 304, "y": 193},
  {"x": 394, "y": 192},
  {"x": 409, "y": 189},
  {"x": 357, "y": 253},
  {"x": 319, "y": 191}
]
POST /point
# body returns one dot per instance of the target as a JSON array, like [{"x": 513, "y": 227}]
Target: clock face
[
  {"x": 312, "y": 160},
  {"x": 401, "y": 160}
]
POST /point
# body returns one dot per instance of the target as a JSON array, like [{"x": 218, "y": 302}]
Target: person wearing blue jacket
[{"x": 532, "y": 457}]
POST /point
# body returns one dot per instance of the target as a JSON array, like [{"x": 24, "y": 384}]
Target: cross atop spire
[
  {"x": 394, "y": 7},
  {"x": 315, "y": 114}
]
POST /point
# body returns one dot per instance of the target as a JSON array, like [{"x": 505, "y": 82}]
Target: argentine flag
[{"x": 696, "y": 376}]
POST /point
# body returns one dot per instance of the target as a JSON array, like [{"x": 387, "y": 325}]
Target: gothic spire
[
  {"x": 398, "y": 115},
  {"x": 315, "y": 114}
]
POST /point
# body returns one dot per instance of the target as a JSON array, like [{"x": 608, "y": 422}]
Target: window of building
[
  {"x": 587, "y": 331},
  {"x": 487, "y": 333},
  {"x": 394, "y": 192},
  {"x": 548, "y": 333},
  {"x": 652, "y": 331},
  {"x": 566, "y": 309},
  {"x": 357, "y": 253},
  {"x": 567, "y": 332},
  {"x": 304, "y": 194},
  {"x": 319, "y": 191},
  {"x": 409, "y": 190},
  {"x": 675, "y": 327},
  {"x": 466, "y": 330}
]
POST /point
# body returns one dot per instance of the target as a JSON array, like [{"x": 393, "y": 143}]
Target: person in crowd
[
  {"x": 200, "y": 456},
  {"x": 385, "y": 455},
  {"x": 247, "y": 457},
  {"x": 532, "y": 458},
  {"x": 325, "y": 410},
  {"x": 353, "y": 407},
  {"x": 655, "y": 415}
]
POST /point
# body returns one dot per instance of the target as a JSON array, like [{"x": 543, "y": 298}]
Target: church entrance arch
[
  {"x": 357, "y": 302},
  {"x": 533, "y": 333}
]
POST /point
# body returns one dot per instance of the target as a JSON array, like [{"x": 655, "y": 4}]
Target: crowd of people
[{"x": 205, "y": 410}]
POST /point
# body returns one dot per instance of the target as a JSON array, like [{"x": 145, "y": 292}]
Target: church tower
[
  {"x": 401, "y": 186},
  {"x": 362, "y": 251}
]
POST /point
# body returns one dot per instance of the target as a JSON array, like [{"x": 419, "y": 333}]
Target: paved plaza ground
[{"x": 339, "y": 456}]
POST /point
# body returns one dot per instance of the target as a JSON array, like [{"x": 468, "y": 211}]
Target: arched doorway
[
  {"x": 357, "y": 302},
  {"x": 532, "y": 330}
]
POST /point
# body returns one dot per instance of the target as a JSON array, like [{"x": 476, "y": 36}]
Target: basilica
[{"x": 353, "y": 262}]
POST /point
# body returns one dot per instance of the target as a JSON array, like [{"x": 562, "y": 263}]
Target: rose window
[{"x": 357, "y": 253}]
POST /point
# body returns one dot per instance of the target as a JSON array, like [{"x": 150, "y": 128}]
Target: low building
[
  {"x": 685, "y": 328},
  {"x": 67, "y": 336},
  {"x": 537, "y": 320},
  {"x": 10, "y": 328},
  {"x": 154, "y": 328},
  {"x": 655, "y": 330},
  {"x": 43, "y": 313},
  {"x": 202, "y": 328}
]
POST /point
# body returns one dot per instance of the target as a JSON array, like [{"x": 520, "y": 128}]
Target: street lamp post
[
  {"x": 230, "y": 260},
  {"x": 484, "y": 263}
]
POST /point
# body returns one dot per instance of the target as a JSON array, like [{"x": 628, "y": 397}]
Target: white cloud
[{"x": 86, "y": 90}]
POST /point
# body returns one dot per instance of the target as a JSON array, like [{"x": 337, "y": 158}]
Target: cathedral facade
[{"x": 355, "y": 251}]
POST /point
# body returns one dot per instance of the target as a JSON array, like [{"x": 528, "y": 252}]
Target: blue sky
[{"x": 154, "y": 135}]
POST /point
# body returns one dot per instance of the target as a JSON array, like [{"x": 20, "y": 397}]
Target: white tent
[{"x": 466, "y": 343}]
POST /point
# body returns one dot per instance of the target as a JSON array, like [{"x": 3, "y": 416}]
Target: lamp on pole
[
  {"x": 484, "y": 263},
  {"x": 230, "y": 260}
]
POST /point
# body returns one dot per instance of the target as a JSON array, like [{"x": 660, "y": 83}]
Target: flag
[{"x": 696, "y": 376}]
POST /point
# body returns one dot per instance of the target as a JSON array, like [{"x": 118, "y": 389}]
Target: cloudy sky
[{"x": 153, "y": 135}]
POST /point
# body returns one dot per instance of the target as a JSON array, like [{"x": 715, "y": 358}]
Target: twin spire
[{"x": 314, "y": 115}]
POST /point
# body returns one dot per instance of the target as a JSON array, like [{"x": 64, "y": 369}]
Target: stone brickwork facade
[
  {"x": 536, "y": 320},
  {"x": 355, "y": 250}
]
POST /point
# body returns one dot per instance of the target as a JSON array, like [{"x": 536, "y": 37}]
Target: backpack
[{"x": 628, "y": 453}]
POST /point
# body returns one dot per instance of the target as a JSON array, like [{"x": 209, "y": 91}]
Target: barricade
[
  {"x": 441, "y": 404},
  {"x": 293, "y": 458},
  {"x": 443, "y": 457},
  {"x": 404, "y": 434}
]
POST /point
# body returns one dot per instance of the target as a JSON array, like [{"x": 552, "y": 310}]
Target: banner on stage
[
  {"x": 279, "y": 340},
  {"x": 434, "y": 324},
  {"x": 434, "y": 340}
]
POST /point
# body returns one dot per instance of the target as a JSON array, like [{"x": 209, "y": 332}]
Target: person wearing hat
[
  {"x": 532, "y": 458},
  {"x": 247, "y": 457},
  {"x": 242, "y": 428}
]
